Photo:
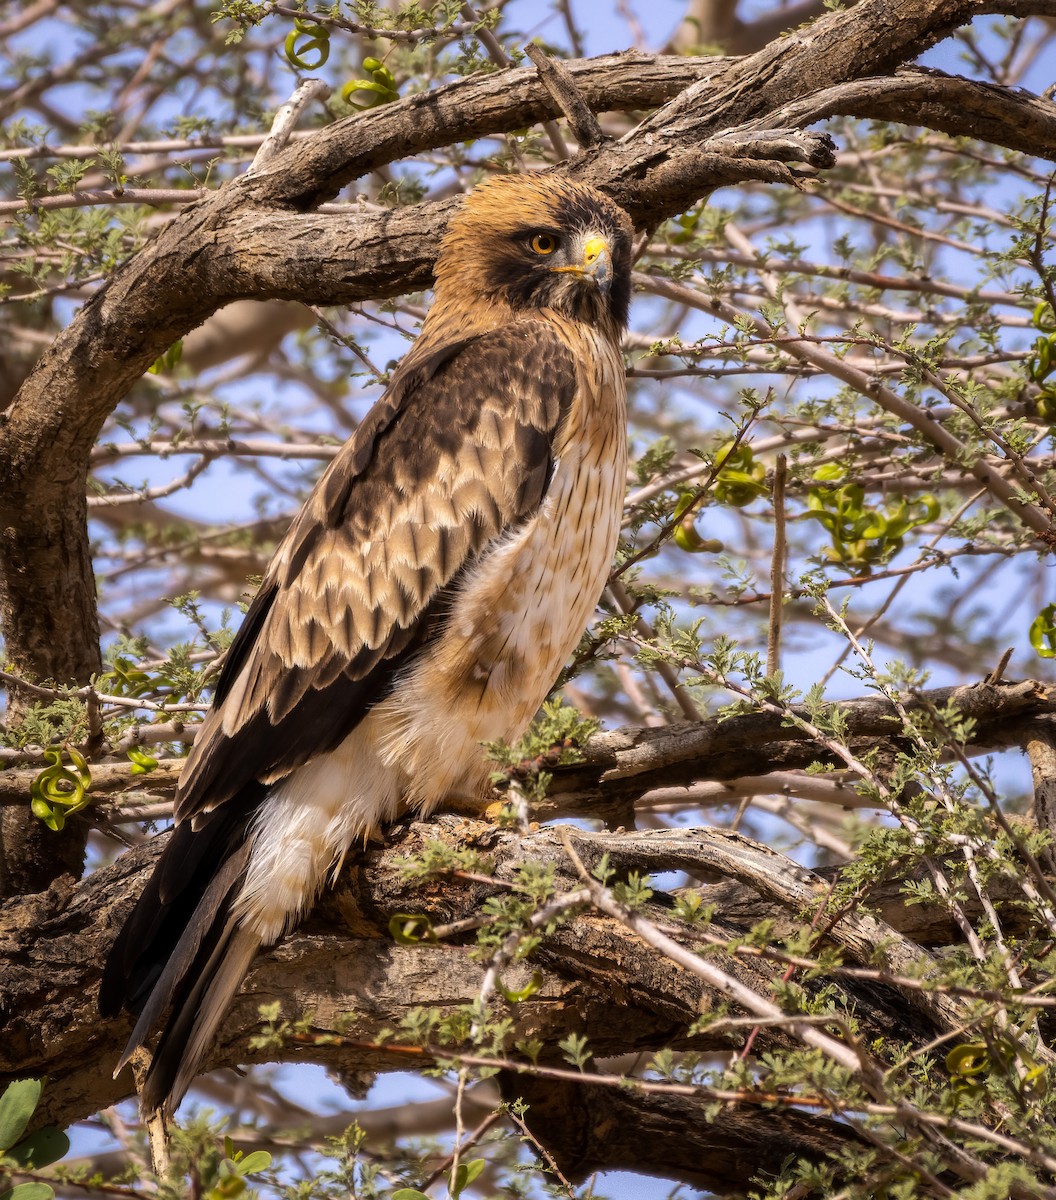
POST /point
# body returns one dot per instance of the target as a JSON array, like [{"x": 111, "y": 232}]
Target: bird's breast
[
  {"x": 513, "y": 623},
  {"x": 522, "y": 609}
]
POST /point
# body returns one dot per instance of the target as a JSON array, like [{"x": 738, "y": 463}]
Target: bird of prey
[{"x": 422, "y": 602}]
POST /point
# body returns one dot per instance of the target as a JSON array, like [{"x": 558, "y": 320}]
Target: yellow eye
[{"x": 544, "y": 243}]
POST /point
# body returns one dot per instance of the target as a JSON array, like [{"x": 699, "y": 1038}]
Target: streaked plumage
[{"x": 423, "y": 601}]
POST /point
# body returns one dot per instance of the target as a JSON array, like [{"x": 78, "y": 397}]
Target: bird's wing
[{"x": 456, "y": 452}]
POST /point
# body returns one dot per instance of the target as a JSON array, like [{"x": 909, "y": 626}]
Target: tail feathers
[
  {"x": 199, "y": 980},
  {"x": 174, "y": 896},
  {"x": 203, "y": 933},
  {"x": 180, "y": 951},
  {"x": 196, "y": 1019}
]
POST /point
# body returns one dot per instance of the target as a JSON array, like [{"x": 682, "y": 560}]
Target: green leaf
[
  {"x": 575, "y": 1049},
  {"x": 408, "y": 929},
  {"x": 380, "y": 87},
  {"x": 404, "y": 1194},
  {"x": 377, "y": 93},
  {"x": 17, "y": 1105},
  {"x": 259, "y": 1160},
  {"x": 529, "y": 989},
  {"x": 466, "y": 1173},
  {"x": 41, "y": 1149},
  {"x": 971, "y": 1058},
  {"x": 1043, "y": 632},
  {"x": 168, "y": 360},
  {"x": 829, "y": 473},
  {"x": 227, "y": 1188},
  {"x": 57, "y": 792},
  {"x": 302, "y": 39},
  {"x": 741, "y": 479},
  {"x": 28, "y": 1191},
  {"x": 142, "y": 762}
]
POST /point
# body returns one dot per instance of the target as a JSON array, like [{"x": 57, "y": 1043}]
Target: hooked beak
[{"x": 595, "y": 264}]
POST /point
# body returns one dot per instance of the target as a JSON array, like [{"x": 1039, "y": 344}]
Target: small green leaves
[
  {"x": 684, "y": 229},
  {"x": 862, "y": 536},
  {"x": 142, "y": 762},
  {"x": 168, "y": 360},
  {"x": 690, "y": 907},
  {"x": 465, "y": 1175},
  {"x": 307, "y": 35},
  {"x": 575, "y": 1049},
  {"x": 380, "y": 88},
  {"x": 1041, "y": 365},
  {"x": 552, "y": 740},
  {"x": 58, "y": 792},
  {"x": 235, "y": 1166},
  {"x": 42, "y": 1148},
  {"x": 246, "y": 1164},
  {"x": 1043, "y": 632},
  {"x": 124, "y": 678},
  {"x": 634, "y": 891},
  {"x": 408, "y": 929}
]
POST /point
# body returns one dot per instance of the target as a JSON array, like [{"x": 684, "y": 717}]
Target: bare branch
[{"x": 559, "y": 82}]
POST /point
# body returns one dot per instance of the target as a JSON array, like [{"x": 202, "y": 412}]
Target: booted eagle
[{"x": 423, "y": 602}]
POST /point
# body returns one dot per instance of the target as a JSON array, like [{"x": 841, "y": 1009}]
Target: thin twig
[
  {"x": 450, "y": 1163},
  {"x": 777, "y": 570},
  {"x": 285, "y": 122},
  {"x": 499, "y": 56},
  {"x": 558, "y": 81},
  {"x": 664, "y": 669}
]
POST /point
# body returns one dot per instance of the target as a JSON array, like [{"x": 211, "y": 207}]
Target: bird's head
[{"x": 540, "y": 241}]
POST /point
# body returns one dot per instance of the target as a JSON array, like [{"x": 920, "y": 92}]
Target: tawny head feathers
[{"x": 539, "y": 241}]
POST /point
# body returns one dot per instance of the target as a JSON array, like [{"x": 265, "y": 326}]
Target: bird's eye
[{"x": 544, "y": 243}]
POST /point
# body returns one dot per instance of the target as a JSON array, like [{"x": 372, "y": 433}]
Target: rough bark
[
  {"x": 258, "y": 238},
  {"x": 598, "y": 979},
  {"x": 622, "y": 764},
  {"x": 587, "y": 1129},
  {"x": 1040, "y": 744}
]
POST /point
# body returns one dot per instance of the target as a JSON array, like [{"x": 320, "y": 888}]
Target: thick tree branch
[
  {"x": 945, "y": 103},
  {"x": 55, "y": 941},
  {"x": 586, "y": 1128},
  {"x": 621, "y": 765},
  {"x": 598, "y": 979}
]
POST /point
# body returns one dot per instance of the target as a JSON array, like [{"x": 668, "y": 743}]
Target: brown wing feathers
[{"x": 412, "y": 517}]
